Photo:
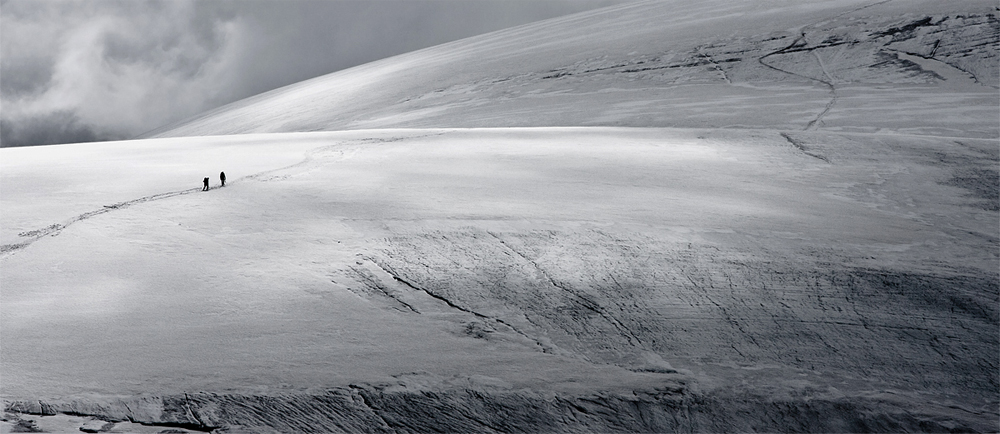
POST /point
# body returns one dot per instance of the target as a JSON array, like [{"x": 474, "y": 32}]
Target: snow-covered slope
[
  {"x": 817, "y": 251},
  {"x": 915, "y": 66},
  {"x": 553, "y": 279}
]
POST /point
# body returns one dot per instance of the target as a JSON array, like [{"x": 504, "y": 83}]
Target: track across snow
[{"x": 499, "y": 257}]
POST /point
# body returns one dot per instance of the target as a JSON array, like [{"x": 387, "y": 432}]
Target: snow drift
[{"x": 663, "y": 216}]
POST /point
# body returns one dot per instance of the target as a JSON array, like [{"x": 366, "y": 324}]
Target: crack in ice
[
  {"x": 583, "y": 301},
  {"x": 453, "y": 305}
]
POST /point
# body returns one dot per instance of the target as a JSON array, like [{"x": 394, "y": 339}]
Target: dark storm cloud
[
  {"x": 48, "y": 128},
  {"x": 74, "y": 71}
]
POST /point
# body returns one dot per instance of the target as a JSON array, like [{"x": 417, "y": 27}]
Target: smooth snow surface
[{"x": 663, "y": 216}]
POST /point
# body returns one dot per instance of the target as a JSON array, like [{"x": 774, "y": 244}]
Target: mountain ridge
[{"x": 610, "y": 67}]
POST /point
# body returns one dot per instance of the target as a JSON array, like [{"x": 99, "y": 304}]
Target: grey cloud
[
  {"x": 54, "y": 127},
  {"x": 84, "y": 71},
  {"x": 122, "y": 48},
  {"x": 25, "y": 64},
  {"x": 27, "y": 76},
  {"x": 112, "y": 69}
]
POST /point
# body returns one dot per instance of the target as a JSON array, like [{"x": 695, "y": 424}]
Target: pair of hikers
[{"x": 222, "y": 176}]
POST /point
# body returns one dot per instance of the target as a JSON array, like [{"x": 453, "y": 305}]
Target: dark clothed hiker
[
  {"x": 222, "y": 176},
  {"x": 205, "y": 188}
]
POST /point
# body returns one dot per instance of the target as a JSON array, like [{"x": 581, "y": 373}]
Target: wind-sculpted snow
[
  {"x": 905, "y": 66},
  {"x": 403, "y": 408},
  {"x": 613, "y": 297}
]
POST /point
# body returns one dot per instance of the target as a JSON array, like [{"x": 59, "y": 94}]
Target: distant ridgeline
[{"x": 861, "y": 66}]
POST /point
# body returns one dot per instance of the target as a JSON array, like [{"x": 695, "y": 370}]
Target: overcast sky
[{"x": 86, "y": 70}]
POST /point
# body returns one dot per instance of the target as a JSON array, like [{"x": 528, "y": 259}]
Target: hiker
[
  {"x": 205, "y": 188},
  {"x": 222, "y": 176}
]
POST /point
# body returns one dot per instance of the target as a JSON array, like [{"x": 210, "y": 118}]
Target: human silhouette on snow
[
  {"x": 222, "y": 176},
  {"x": 205, "y": 188}
]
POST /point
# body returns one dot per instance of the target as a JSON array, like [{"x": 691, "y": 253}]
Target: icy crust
[
  {"x": 911, "y": 67},
  {"x": 399, "y": 408},
  {"x": 597, "y": 279},
  {"x": 614, "y": 297}
]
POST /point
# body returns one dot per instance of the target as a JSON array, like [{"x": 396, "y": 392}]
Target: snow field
[
  {"x": 549, "y": 260},
  {"x": 660, "y": 216}
]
